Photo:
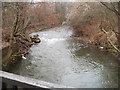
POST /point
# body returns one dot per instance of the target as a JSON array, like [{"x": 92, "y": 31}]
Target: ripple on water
[{"x": 63, "y": 60}]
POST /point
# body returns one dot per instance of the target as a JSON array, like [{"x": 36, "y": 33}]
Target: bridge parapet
[{"x": 14, "y": 81}]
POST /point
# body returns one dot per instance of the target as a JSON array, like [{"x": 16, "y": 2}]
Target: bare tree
[{"x": 114, "y": 7}]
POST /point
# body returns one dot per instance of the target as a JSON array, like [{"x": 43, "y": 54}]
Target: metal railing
[{"x": 18, "y": 82}]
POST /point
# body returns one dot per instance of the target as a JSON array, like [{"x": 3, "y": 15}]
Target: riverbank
[
  {"x": 87, "y": 42},
  {"x": 92, "y": 34},
  {"x": 6, "y": 32},
  {"x": 20, "y": 45},
  {"x": 17, "y": 50},
  {"x": 95, "y": 24}
]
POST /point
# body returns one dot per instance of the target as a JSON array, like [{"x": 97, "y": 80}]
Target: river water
[{"x": 61, "y": 59}]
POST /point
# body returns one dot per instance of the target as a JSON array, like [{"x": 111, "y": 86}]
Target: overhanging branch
[
  {"x": 109, "y": 41},
  {"x": 113, "y": 10}
]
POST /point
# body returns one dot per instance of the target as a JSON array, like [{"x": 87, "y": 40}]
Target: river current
[{"x": 62, "y": 60}]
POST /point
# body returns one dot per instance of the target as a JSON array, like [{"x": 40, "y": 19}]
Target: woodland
[{"x": 94, "y": 23}]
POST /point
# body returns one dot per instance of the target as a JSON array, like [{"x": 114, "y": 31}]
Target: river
[{"x": 61, "y": 59}]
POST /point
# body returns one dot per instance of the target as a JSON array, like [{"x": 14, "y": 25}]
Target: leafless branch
[{"x": 113, "y": 10}]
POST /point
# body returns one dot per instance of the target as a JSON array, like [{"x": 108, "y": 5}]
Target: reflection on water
[{"x": 62, "y": 60}]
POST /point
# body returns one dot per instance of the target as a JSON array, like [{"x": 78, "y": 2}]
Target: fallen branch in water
[{"x": 109, "y": 41}]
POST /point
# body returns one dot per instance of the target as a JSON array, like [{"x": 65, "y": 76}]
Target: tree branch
[
  {"x": 113, "y": 10},
  {"x": 109, "y": 41}
]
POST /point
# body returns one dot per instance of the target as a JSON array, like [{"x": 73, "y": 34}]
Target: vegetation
[
  {"x": 22, "y": 18},
  {"x": 91, "y": 21},
  {"x": 94, "y": 23}
]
